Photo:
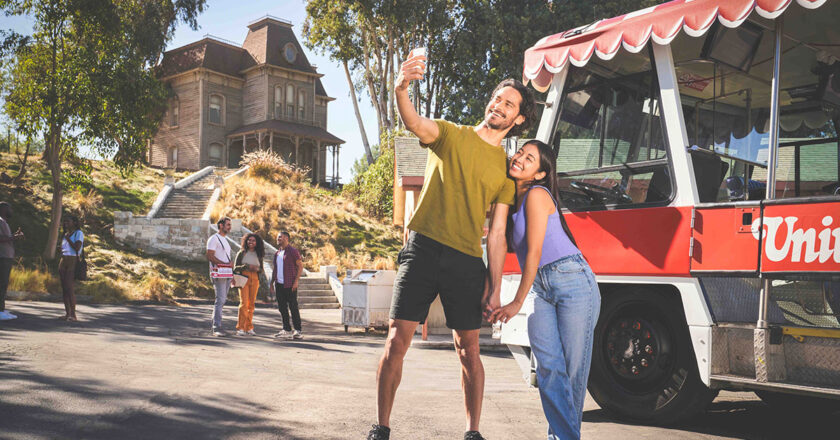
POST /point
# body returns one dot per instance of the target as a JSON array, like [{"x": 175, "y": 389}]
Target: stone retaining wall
[{"x": 180, "y": 238}]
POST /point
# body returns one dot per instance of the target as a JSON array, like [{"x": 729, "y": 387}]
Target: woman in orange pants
[{"x": 250, "y": 259}]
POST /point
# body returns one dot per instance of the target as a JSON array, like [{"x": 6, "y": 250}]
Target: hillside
[
  {"x": 326, "y": 227},
  {"x": 117, "y": 273}
]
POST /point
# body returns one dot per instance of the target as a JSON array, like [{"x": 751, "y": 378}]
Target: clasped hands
[{"x": 493, "y": 311}]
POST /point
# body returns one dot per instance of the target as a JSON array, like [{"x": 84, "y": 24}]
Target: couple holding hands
[{"x": 467, "y": 172}]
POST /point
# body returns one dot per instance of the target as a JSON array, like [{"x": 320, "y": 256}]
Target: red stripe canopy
[{"x": 662, "y": 23}]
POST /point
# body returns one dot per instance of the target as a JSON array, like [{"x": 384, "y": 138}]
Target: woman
[
  {"x": 249, "y": 262},
  {"x": 71, "y": 247},
  {"x": 557, "y": 278}
]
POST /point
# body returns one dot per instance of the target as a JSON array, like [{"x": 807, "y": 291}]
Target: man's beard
[
  {"x": 504, "y": 125},
  {"x": 501, "y": 126}
]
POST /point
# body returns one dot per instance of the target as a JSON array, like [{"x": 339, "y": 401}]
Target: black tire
[
  {"x": 800, "y": 405},
  {"x": 646, "y": 374}
]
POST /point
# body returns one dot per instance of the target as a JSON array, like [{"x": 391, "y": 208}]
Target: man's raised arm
[{"x": 424, "y": 128}]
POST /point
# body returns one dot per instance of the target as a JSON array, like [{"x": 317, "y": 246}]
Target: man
[
  {"x": 7, "y": 256},
  {"x": 285, "y": 276},
  {"x": 218, "y": 253},
  {"x": 465, "y": 175}
]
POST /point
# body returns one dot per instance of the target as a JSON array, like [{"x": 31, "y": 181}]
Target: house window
[
  {"x": 301, "y": 105},
  {"x": 278, "y": 101},
  {"x": 172, "y": 157},
  {"x": 217, "y": 105},
  {"x": 290, "y": 101},
  {"x": 290, "y": 53},
  {"x": 215, "y": 154},
  {"x": 174, "y": 112}
]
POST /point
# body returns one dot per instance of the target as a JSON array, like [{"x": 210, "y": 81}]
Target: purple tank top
[{"x": 556, "y": 244}]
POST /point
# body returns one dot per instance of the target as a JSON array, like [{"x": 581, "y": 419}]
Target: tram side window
[
  {"x": 808, "y": 163},
  {"x": 726, "y": 104},
  {"x": 608, "y": 137}
]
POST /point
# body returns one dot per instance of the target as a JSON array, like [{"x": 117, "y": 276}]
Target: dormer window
[{"x": 290, "y": 53}]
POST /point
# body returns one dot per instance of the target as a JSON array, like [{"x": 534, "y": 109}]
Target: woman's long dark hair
[
  {"x": 259, "y": 248},
  {"x": 76, "y": 223},
  {"x": 548, "y": 164}
]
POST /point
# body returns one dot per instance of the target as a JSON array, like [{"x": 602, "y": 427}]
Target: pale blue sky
[{"x": 229, "y": 20}]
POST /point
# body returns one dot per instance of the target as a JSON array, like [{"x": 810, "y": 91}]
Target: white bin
[{"x": 367, "y": 298}]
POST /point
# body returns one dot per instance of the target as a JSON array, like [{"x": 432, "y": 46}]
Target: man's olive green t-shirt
[{"x": 464, "y": 175}]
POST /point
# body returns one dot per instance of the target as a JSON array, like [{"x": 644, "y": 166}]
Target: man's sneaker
[
  {"x": 283, "y": 334},
  {"x": 251, "y": 332},
  {"x": 297, "y": 335},
  {"x": 219, "y": 333},
  {"x": 4, "y": 316},
  {"x": 241, "y": 333},
  {"x": 379, "y": 432},
  {"x": 473, "y": 435}
]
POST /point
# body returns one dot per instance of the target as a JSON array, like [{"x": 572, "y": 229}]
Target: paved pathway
[{"x": 152, "y": 372}]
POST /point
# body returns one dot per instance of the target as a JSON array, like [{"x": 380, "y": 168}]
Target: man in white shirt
[{"x": 218, "y": 253}]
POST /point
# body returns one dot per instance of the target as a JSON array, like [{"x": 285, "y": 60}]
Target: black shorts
[{"x": 428, "y": 268}]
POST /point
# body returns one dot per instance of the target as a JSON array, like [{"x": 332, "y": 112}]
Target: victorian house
[{"x": 228, "y": 100}]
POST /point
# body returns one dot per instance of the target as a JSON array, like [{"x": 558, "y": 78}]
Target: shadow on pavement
[
  {"x": 119, "y": 413},
  {"x": 742, "y": 419},
  {"x": 178, "y": 325}
]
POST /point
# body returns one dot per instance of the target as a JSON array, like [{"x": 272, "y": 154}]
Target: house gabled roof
[
  {"x": 319, "y": 88},
  {"x": 409, "y": 158},
  {"x": 265, "y": 44},
  {"x": 266, "y": 41},
  {"x": 208, "y": 53}
]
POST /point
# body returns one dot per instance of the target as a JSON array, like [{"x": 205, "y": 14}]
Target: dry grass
[
  {"x": 116, "y": 273},
  {"x": 33, "y": 279},
  {"x": 84, "y": 204},
  {"x": 329, "y": 229}
]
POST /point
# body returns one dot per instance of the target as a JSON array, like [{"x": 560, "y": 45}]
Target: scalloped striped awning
[{"x": 662, "y": 23}]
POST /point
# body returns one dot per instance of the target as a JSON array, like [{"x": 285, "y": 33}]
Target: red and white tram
[{"x": 698, "y": 160}]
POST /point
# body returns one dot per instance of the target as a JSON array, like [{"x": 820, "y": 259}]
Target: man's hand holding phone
[{"x": 413, "y": 68}]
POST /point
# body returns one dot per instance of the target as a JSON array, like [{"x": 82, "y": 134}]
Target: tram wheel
[{"x": 643, "y": 364}]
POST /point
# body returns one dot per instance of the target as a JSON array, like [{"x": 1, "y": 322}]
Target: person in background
[
  {"x": 557, "y": 278},
  {"x": 7, "y": 256},
  {"x": 250, "y": 259},
  {"x": 71, "y": 246},
  {"x": 218, "y": 252},
  {"x": 287, "y": 268}
]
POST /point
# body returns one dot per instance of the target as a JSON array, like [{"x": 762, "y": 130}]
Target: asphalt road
[{"x": 153, "y": 372}]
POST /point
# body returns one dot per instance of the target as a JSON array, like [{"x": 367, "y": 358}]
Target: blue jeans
[
  {"x": 566, "y": 307},
  {"x": 221, "y": 286}
]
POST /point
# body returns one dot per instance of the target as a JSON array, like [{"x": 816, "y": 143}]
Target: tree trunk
[
  {"x": 372, "y": 91},
  {"x": 368, "y": 153},
  {"x": 392, "y": 117},
  {"x": 53, "y": 153},
  {"x": 22, "y": 169}
]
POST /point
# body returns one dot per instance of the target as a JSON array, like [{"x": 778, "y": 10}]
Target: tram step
[
  {"x": 749, "y": 383},
  {"x": 806, "y": 357}
]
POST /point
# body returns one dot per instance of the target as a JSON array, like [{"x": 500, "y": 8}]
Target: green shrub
[{"x": 373, "y": 190}]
